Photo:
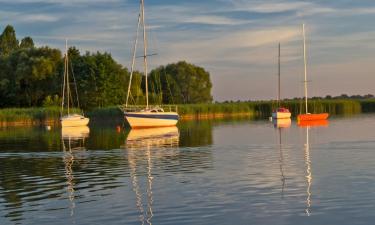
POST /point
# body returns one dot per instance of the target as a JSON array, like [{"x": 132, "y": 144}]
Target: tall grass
[
  {"x": 34, "y": 116},
  {"x": 258, "y": 109}
]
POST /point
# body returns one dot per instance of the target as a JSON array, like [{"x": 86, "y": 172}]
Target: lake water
[{"x": 204, "y": 172}]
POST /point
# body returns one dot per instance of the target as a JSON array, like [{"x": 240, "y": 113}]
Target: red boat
[
  {"x": 314, "y": 116},
  {"x": 308, "y": 116}
]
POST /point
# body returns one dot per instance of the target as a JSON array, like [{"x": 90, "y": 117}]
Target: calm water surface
[{"x": 207, "y": 172}]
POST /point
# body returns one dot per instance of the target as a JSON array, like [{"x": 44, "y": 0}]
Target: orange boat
[
  {"x": 315, "y": 116},
  {"x": 308, "y": 116}
]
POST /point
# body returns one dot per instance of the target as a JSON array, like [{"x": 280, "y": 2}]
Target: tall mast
[
  {"x": 145, "y": 49},
  {"x": 67, "y": 73},
  {"x": 278, "y": 96},
  {"x": 304, "y": 59}
]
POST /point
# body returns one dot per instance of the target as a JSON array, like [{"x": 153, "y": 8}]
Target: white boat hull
[
  {"x": 151, "y": 119},
  {"x": 281, "y": 115},
  {"x": 74, "y": 121}
]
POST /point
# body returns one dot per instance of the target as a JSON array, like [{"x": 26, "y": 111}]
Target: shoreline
[{"x": 44, "y": 116}]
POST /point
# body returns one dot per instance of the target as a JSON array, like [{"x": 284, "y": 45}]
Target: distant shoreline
[{"x": 253, "y": 110}]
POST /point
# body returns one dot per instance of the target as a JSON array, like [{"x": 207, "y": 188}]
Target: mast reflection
[
  {"x": 140, "y": 145},
  {"x": 72, "y": 140},
  {"x": 281, "y": 124},
  {"x": 309, "y": 177}
]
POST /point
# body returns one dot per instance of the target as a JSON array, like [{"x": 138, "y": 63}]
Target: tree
[
  {"x": 27, "y": 42},
  {"x": 8, "y": 41},
  {"x": 181, "y": 83}
]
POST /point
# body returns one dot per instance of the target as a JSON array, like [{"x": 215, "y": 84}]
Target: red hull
[{"x": 311, "y": 117}]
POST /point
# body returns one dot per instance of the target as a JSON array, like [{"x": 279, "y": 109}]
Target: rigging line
[
  {"x": 63, "y": 88},
  {"x": 133, "y": 58},
  {"x": 75, "y": 83}
]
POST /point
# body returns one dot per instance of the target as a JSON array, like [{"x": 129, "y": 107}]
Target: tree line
[{"x": 32, "y": 76}]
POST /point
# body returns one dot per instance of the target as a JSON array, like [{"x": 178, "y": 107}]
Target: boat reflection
[
  {"x": 75, "y": 133},
  {"x": 312, "y": 123},
  {"x": 140, "y": 145},
  {"x": 72, "y": 141},
  {"x": 282, "y": 123},
  {"x": 308, "y": 173},
  {"x": 153, "y": 137}
]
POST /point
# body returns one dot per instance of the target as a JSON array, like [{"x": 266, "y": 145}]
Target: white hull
[
  {"x": 74, "y": 121},
  {"x": 150, "y": 119},
  {"x": 281, "y": 115}
]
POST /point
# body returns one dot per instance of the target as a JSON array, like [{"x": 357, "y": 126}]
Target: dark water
[{"x": 207, "y": 172}]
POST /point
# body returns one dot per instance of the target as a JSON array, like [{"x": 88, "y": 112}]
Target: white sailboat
[
  {"x": 70, "y": 119},
  {"x": 280, "y": 112},
  {"x": 146, "y": 116}
]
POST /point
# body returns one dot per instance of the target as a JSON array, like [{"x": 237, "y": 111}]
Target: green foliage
[
  {"x": 180, "y": 83},
  {"x": 8, "y": 41},
  {"x": 27, "y": 42}
]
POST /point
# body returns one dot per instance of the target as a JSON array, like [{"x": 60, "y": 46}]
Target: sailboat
[
  {"x": 307, "y": 115},
  {"x": 280, "y": 112},
  {"x": 146, "y": 116},
  {"x": 74, "y": 119}
]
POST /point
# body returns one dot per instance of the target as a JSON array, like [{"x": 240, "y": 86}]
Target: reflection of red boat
[
  {"x": 310, "y": 117},
  {"x": 282, "y": 123},
  {"x": 312, "y": 123}
]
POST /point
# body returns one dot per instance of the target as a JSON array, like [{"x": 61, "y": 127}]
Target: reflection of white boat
[
  {"x": 75, "y": 133},
  {"x": 72, "y": 141},
  {"x": 282, "y": 123},
  {"x": 162, "y": 136}
]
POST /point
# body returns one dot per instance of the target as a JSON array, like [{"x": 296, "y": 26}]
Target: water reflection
[
  {"x": 72, "y": 141},
  {"x": 308, "y": 173},
  {"x": 309, "y": 177},
  {"x": 280, "y": 127},
  {"x": 140, "y": 145},
  {"x": 282, "y": 123}
]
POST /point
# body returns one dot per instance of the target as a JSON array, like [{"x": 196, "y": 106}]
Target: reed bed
[
  {"x": 253, "y": 110},
  {"x": 30, "y": 116}
]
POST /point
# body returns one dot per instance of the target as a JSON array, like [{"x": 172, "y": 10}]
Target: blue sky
[{"x": 235, "y": 40}]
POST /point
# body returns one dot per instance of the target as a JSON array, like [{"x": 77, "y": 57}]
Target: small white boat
[
  {"x": 280, "y": 112},
  {"x": 75, "y": 119}
]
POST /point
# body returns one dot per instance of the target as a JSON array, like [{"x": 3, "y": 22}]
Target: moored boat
[
  {"x": 280, "y": 112},
  {"x": 75, "y": 119},
  {"x": 308, "y": 116},
  {"x": 146, "y": 116}
]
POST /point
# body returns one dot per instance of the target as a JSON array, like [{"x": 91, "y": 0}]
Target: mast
[
  {"x": 145, "y": 49},
  {"x": 304, "y": 59},
  {"x": 278, "y": 96},
  {"x": 67, "y": 73}
]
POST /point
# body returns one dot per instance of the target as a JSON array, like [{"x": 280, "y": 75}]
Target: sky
[{"x": 236, "y": 41}]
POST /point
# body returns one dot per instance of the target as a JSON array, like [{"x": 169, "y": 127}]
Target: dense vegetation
[{"x": 31, "y": 76}]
